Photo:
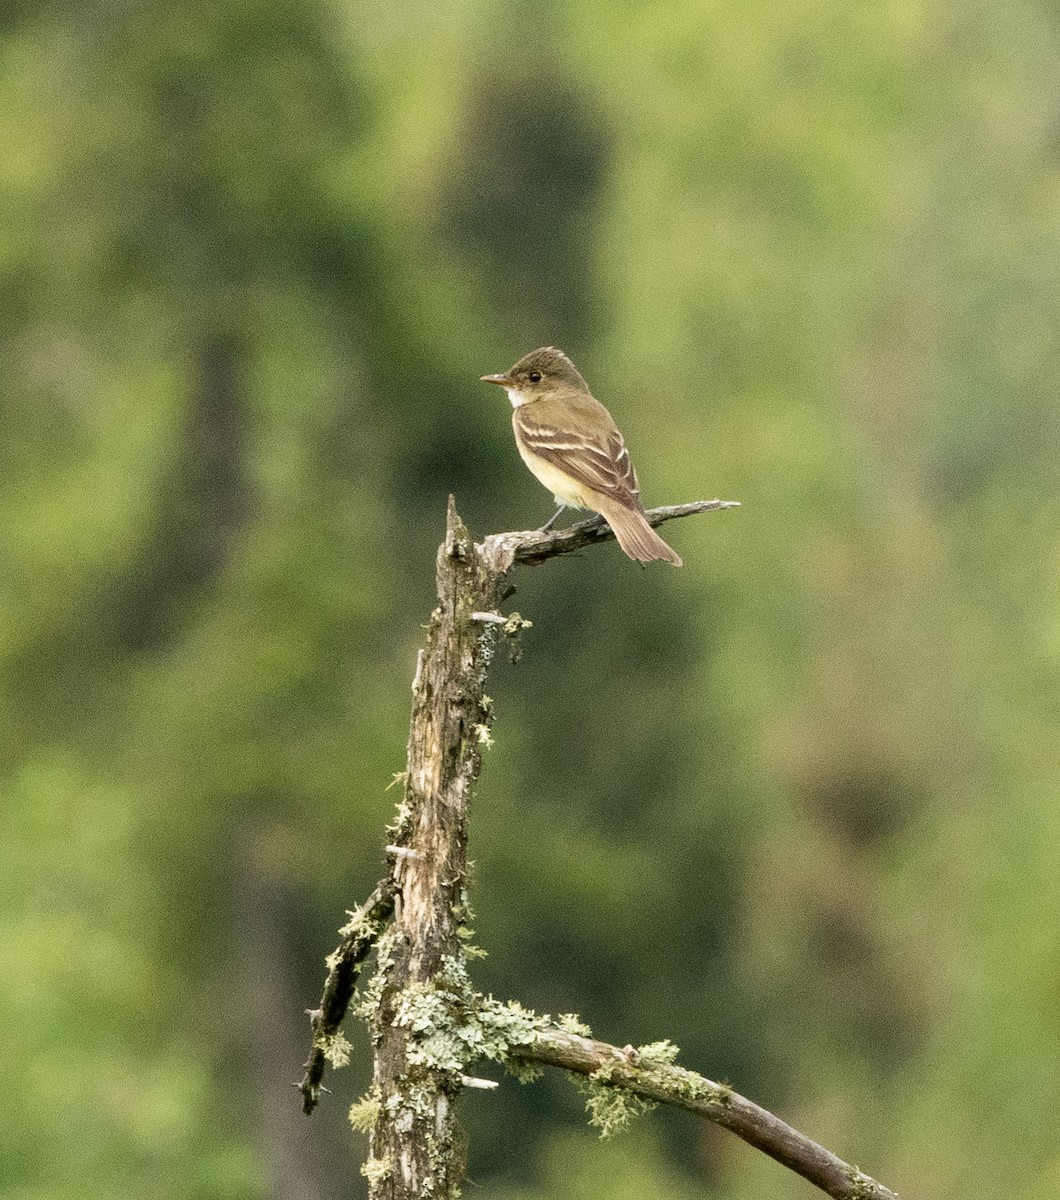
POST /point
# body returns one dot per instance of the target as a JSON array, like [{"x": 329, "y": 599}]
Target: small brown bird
[{"x": 569, "y": 441}]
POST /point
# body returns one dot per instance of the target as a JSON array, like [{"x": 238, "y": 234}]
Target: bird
[{"x": 573, "y": 446}]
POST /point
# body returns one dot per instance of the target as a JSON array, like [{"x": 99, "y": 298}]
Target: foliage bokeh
[{"x": 793, "y": 807}]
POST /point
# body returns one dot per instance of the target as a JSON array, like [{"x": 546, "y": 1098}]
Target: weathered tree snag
[
  {"x": 428, "y": 1024},
  {"x": 412, "y": 1151}
]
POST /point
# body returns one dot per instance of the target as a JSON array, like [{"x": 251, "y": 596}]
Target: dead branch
[
  {"x": 360, "y": 934},
  {"x": 665, "y": 1083},
  {"x": 535, "y": 546}
]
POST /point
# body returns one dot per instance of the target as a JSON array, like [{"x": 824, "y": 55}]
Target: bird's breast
[{"x": 564, "y": 487}]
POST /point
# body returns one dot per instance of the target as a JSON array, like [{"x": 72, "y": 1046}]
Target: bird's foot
[{"x": 552, "y": 520}]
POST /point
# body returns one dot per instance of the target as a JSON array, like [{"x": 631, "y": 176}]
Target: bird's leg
[{"x": 552, "y": 520}]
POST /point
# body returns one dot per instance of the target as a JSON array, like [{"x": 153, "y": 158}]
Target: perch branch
[
  {"x": 664, "y": 1083},
  {"x": 535, "y": 546}
]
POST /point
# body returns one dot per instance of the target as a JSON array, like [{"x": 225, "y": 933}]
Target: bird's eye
[{"x": 534, "y": 377}]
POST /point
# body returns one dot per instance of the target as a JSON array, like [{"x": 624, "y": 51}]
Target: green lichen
[
  {"x": 417, "y": 1096},
  {"x": 610, "y": 1108},
  {"x": 684, "y": 1084},
  {"x": 506, "y": 1026},
  {"x": 336, "y": 1048},
  {"x": 441, "y": 1017},
  {"x": 366, "y": 1000},
  {"x": 486, "y": 642},
  {"x": 470, "y": 949},
  {"x": 375, "y": 1170},
  {"x": 663, "y": 1053},
  {"x": 523, "y": 1071},
  {"x": 426, "y": 1011},
  {"x": 365, "y": 1112},
  {"x": 404, "y": 819},
  {"x": 463, "y": 914},
  {"x": 572, "y": 1023},
  {"x": 404, "y": 811},
  {"x": 359, "y": 925},
  {"x": 512, "y": 628},
  {"x": 450, "y": 1025},
  {"x": 689, "y": 1086},
  {"x": 864, "y": 1187}
]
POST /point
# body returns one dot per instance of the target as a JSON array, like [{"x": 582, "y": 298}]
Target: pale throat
[{"x": 517, "y": 397}]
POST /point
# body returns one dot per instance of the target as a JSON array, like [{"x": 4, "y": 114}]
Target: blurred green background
[{"x": 794, "y": 806}]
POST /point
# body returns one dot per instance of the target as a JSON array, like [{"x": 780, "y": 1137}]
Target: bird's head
[{"x": 536, "y": 376}]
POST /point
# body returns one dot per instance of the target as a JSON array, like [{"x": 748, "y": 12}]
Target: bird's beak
[{"x": 502, "y": 379}]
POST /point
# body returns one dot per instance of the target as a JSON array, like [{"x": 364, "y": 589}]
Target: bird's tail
[{"x": 636, "y": 537}]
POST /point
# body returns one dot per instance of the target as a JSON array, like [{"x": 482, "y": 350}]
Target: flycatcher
[{"x": 569, "y": 441}]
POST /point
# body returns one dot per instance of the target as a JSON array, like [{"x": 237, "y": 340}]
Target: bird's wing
[{"x": 600, "y": 462}]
